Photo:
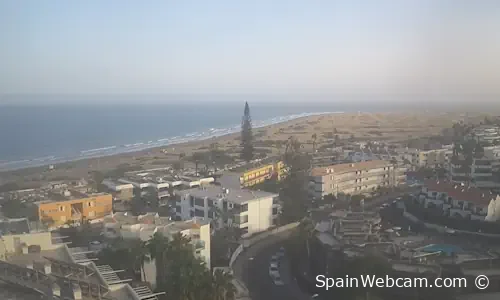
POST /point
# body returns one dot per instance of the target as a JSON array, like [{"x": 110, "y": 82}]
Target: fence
[{"x": 257, "y": 238}]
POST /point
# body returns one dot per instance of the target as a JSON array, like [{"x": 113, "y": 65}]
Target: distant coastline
[{"x": 111, "y": 150}]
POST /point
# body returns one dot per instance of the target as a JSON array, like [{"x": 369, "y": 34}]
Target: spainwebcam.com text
[{"x": 372, "y": 281}]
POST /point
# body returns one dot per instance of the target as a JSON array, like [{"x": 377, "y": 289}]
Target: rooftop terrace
[{"x": 235, "y": 195}]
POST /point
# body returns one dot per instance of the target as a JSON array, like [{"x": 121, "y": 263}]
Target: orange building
[{"x": 76, "y": 208}]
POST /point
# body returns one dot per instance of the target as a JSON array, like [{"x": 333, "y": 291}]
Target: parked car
[
  {"x": 277, "y": 281},
  {"x": 281, "y": 252},
  {"x": 274, "y": 272}
]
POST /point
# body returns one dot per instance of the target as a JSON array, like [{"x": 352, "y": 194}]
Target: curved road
[{"x": 252, "y": 267}]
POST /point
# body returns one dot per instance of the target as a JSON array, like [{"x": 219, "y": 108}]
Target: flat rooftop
[
  {"x": 14, "y": 226},
  {"x": 234, "y": 195},
  {"x": 255, "y": 164},
  {"x": 349, "y": 167},
  {"x": 161, "y": 175},
  {"x": 153, "y": 219}
]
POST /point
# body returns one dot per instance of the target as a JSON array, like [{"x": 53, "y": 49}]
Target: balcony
[{"x": 199, "y": 244}]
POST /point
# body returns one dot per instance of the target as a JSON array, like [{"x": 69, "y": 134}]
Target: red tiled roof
[{"x": 460, "y": 193}]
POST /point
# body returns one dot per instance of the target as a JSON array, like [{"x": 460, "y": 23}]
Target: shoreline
[
  {"x": 115, "y": 150},
  {"x": 391, "y": 127}
]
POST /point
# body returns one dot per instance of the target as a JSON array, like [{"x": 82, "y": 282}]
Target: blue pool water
[{"x": 448, "y": 249}]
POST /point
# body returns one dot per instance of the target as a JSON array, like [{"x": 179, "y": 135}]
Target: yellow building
[
  {"x": 261, "y": 173},
  {"x": 78, "y": 208}
]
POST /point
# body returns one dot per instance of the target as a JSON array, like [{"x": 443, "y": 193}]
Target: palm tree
[
  {"x": 157, "y": 247},
  {"x": 197, "y": 157},
  {"x": 139, "y": 254}
]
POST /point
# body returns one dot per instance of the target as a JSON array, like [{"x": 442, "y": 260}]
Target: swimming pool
[{"x": 446, "y": 248}]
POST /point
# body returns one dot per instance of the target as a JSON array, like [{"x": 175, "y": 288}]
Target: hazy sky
[{"x": 268, "y": 46}]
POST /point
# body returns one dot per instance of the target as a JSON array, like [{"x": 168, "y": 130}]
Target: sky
[{"x": 259, "y": 46}]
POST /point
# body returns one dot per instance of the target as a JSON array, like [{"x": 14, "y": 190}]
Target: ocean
[{"x": 33, "y": 135}]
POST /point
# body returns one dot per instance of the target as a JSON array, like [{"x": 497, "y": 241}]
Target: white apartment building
[
  {"x": 487, "y": 135},
  {"x": 493, "y": 153},
  {"x": 143, "y": 227},
  {"x": 162, "y": 179},
  {"x": 436, "y": 157},
  {"x": 354, "y": 178},
  {"x": 252, "y": 211},
  {"x": 461, "y": 201},
  {"x": 119, "y": 190},
  {"x": 409, "y": 154},
  {"x": 479, "y": 174}
]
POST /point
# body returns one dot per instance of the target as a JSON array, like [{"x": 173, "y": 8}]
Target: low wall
[
  {"x": 443, "y": 229},
  {"x": 257, "y": 238}
]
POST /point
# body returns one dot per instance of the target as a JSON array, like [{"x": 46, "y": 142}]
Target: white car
[
  {"x": 273, "y": 263},
  {"x": 274, "y": 272},
  {"x": 277, "y": 281}
]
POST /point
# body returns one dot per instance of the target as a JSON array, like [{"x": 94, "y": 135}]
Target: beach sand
[{"x": 390, "y": 127}]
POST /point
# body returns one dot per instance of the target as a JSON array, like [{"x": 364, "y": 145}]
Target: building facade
[
  {"x": 478, "y": 174},
  {"x": 460, "y": 201},
  {"x": 261, "y": 173},
  {"x": 252, "y": 211},
  {"x": 75, "y": 208},
  {"x": 487, "y": 135},
  {"x": 435, "y": 158},
  {"x": 354, "y": 178}
]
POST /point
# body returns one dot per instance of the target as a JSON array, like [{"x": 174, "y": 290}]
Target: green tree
[
  {"x": 247, "y": 149},
  {"x": 197, "y": 158},
  {"x": 223, "y": 288},
  {"x": 294, "y": 191}
]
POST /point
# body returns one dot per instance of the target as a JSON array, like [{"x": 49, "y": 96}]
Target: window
[
  {"x": 275, "y": 210},
  {"x": 178, "y": 209},
  {"x": 191, "y": 213},
  {"x": 224, "y": 205},
  {"x": 199, "y": 213},
  {"x": 91, "y": 213},
  {"x": 199, "y": 202},
  {"x": 61, "y": 208},
  {"x": 244, "y": 230},
  {"x": 276, "y": 200},
  {"x": 244, "y": 219},
  {"x": 210, "y": 203},
  {"x": 191, "y": 201},
  {"x": 244, "y": 207}
]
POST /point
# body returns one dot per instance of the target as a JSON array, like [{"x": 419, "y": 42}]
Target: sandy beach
[{"x": 390, "y": 127}]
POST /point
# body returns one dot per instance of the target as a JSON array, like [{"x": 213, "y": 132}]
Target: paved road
[{"x": 253, "y": 268}]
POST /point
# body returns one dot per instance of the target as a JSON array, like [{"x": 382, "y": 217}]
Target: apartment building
[
  {"x": 479, "y": 174},
  {"x": 42, "y": 269},
  {"x": 487, "y": 135},
  {"x": 435, "y": 158},
  {"x": 143, "y": 227},
  {"x": 73, "y": 205},
  {"x": 408, "y": 154},
  {"x": 160, "y": 180},
  {"x": 252, "y": 211},
  {"x": 259, "y": 172},
  {"x": 493, "y": 153},
  {"x": 126, "y": 226},
  {"x": 354, "y": 178},
  {"x": 120, "y": 191},
  {"x": 460, "y": 201}
]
